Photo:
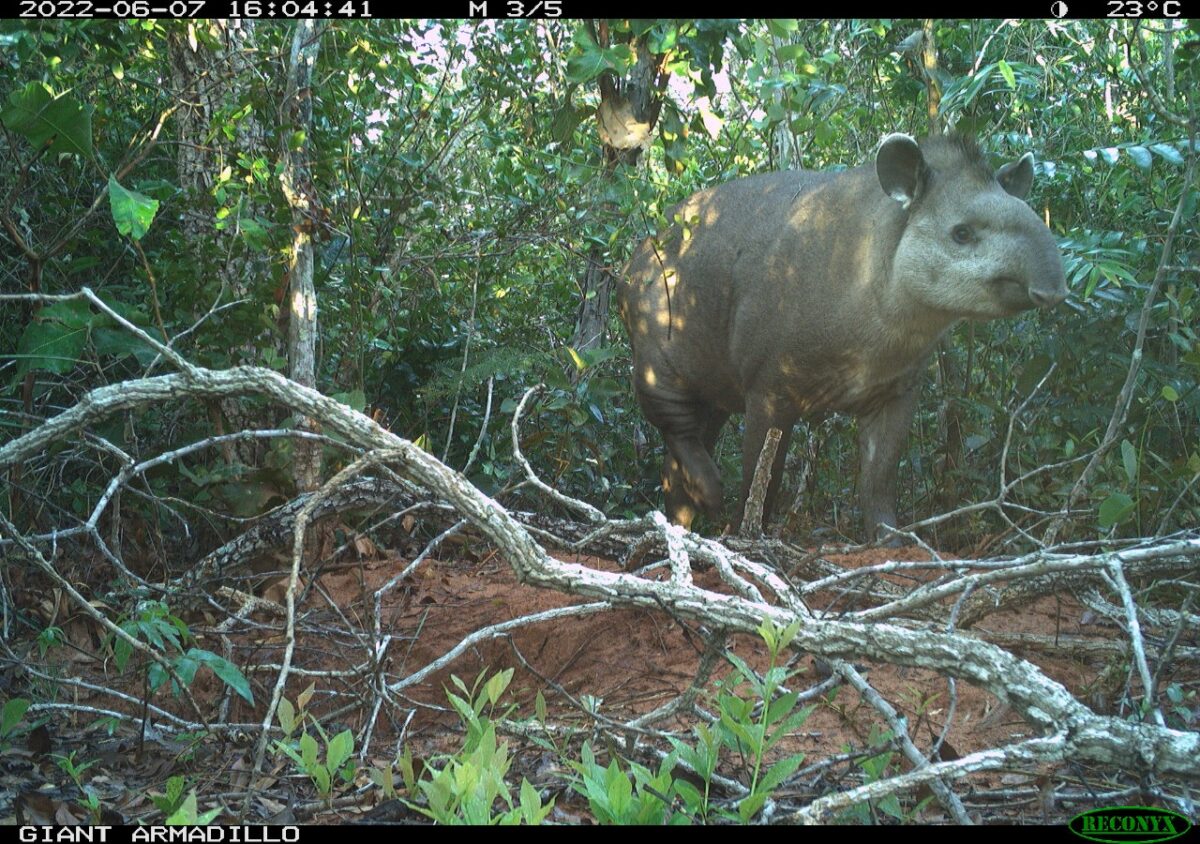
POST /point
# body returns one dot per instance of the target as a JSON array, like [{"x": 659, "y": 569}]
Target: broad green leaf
[
  {"x": 14, "y": 711},
  {"x": 1170, "y": 393},
  {"x": 254, "y": 233},
  {"x": 186, "y": 667},
  {"x": 589, "y": 62},
  {"x": 119, "y": 343},
  {"x": 51, "y": 346},
  {"x": 286, "y": 713},
  {"x": 976, "y": 84},
  {"x": 1115, "y": 509},
  {"x": 791, "y": 53},
  {"x": 1007, "y": 73},
  {"x": 186, "y": 813},
  {"x": 1110, "y": 154},
  {"x": 355, "y": 399},
  {"x": 151, "y": 633},
  {"x": 496, "y": 685},
  {"x": 566, "y": 119},
  {"x": 532, "y": 810},
  {"x": 174, "y": 789},
  {"x": 341, "y": 747},
  {"x": 122, "y": 650},
  {"x": 308, "y": 752},
  {"x": 229, "y": 673},
  {"x": 1130, "y": 461},
  {"x": 780, "y": 771},
  {"x": 781, "y": 706},
  {"x": 73, "y": 313},
  {"x": 749, "y": 807},
  {"x": 43, "y": 118},
  {"x": 320, "y": 775},
  {"x": 663, "y": 37},
  {"x": 1168, "y": 152},
  {"x": 1141, "y": 156},
  {"x": 133, "y": 212}
]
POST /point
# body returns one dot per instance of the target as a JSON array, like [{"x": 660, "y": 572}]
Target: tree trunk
[
  {"x": 204, "y": 80},
  {"x": 296, "y": 181}
]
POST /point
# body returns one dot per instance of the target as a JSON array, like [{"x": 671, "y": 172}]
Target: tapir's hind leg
[{"x": 691, "y": 482}]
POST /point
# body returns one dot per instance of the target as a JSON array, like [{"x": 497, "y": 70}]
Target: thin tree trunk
[{"x": 296, "y": 181}]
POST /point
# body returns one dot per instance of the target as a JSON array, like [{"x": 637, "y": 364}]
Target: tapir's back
[{"x": 740, "y": 267}]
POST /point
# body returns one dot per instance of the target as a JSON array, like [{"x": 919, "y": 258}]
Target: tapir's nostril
[{"x": 1046, "y": 298}]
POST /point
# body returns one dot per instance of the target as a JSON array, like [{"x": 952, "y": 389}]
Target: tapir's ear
[
  {"x": 1017, "y": 176},
  {"x": 900, "y": 167}
]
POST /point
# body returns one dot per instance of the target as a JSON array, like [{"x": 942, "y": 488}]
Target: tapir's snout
[{"x": 1043, "y": 297}]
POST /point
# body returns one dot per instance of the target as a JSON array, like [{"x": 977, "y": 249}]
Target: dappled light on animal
[{"x": 788, "y": 295}]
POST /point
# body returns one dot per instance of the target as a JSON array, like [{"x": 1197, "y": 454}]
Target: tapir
[{"x": 805, "y": 293}]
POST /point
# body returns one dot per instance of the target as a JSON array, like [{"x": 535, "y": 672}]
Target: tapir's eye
[{"x": 962, "y": 234}]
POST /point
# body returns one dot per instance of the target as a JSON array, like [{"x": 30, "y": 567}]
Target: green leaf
[
  {"x": 792, "y": 53},
  {"x": 1115, "y": 509},
  {"x": 589, "y": 62},
  {"x": 781, "y": 706},
  {"x": 308, "y": 752},
  {"x": 1007, "y": 73},
  {"x": 14, "y": 711},
  {"x": 1170, "y": 393},
  {"x": 780, "y": 771},
  {"x": 185, "y": 666},
  {"x": 1168, "y": 152},
  {"x": 532, "y": 810},
  {"x": 73, "y": 313},
  {"x": 254, "y": 233},
  {"x": 496, "y": 685},
  {"x": 976, "y": 84},
  {"x": 1129, "y": 458},
  {"x": 43, "y": 118},
  {"x": 663, "y": 37},
  {"x": 186, "y": 813},
  {"x": 355, "y": 399},
  {"x": 51, "y": 346},
  {"x": 340, "y": 748},
  {"x": 320, "y": 776},
  {"x": 286, "y": 714},
  {"x": 229, "y": 673},
  {"x": 749, "y": 807},
  {"x": 207, "y": 817},
  {"x": 151, "y": 633},
  {"x": 133, "y": 212},
  {"x": 122, "y": 650},
  {"x": 174, "y": 790},
  {"x": 290, "y": 752},
  {"x": 1141, "y": 156},
  {"x": 119, "y": 343}
]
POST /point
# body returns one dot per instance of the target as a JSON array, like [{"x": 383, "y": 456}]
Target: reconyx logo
[{"x": 1122, "y": 824}]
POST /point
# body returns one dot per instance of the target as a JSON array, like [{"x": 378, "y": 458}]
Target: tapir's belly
[{"x": 841, "y": 383}]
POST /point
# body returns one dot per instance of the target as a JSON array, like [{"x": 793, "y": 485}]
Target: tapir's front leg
[{"x": 881, "y": 437}]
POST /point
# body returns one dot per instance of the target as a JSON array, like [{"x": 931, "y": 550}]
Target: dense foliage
[{"x": 459, "y": 182}]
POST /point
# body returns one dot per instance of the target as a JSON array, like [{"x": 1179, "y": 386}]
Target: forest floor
[{"x": 632, "y": 660}]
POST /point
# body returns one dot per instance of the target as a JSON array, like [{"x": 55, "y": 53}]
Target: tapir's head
[{"x": 970, "y": 246}]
